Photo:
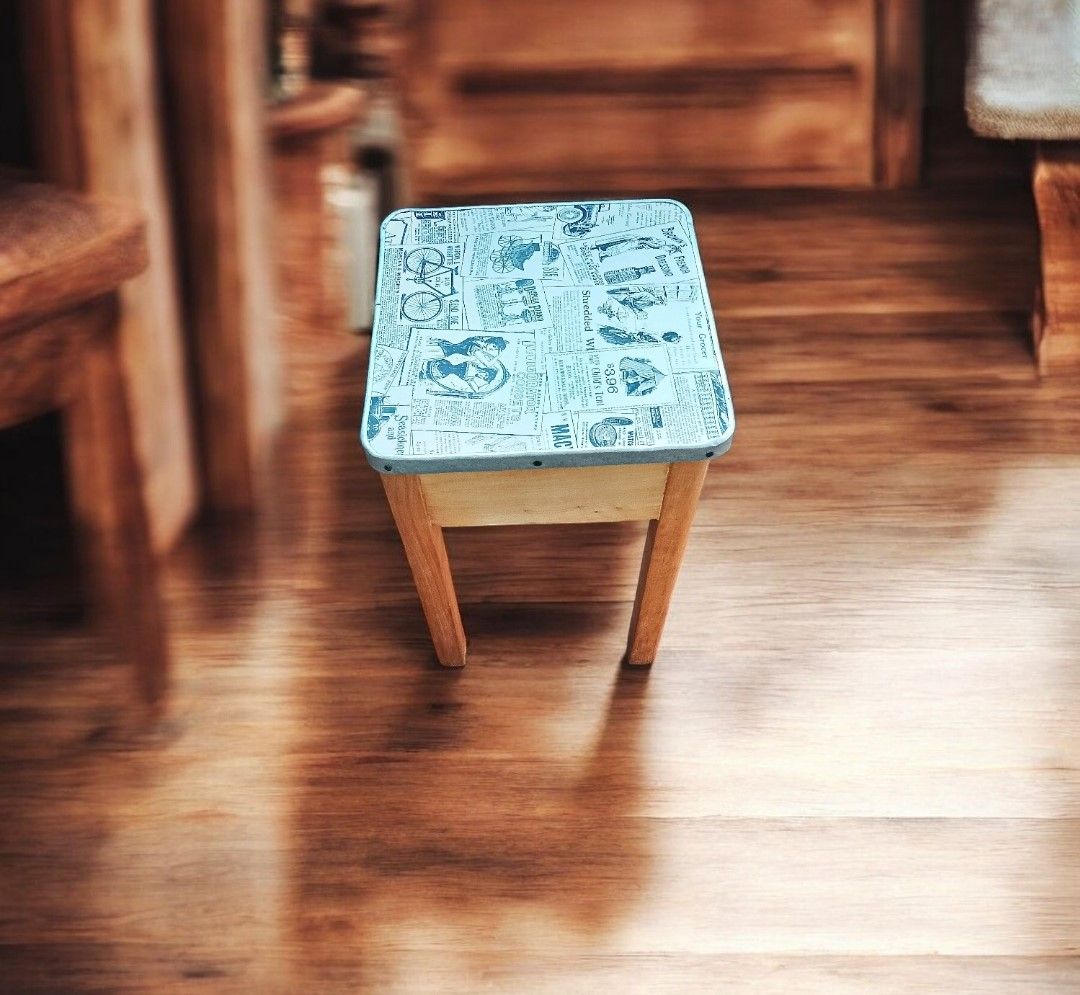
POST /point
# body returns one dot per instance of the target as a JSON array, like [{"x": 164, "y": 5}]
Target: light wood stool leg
[
  {"x": 426, "y": 552},
  {"x": 664, "y": 549},
  {"x": 107, "y": 494}
]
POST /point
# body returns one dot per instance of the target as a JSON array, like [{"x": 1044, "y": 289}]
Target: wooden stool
[
  {"x": 543, "y": 363},
  {"x": 61, "y": 259},
  {"x": 1022, "y": 84}
]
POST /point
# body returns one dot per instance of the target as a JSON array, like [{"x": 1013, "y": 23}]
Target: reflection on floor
[{"x": 853, "y": 769}]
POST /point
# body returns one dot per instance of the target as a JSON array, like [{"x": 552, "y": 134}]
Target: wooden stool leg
[
  {"x": 664, "y": 548},
  {"x": 107, "y": 494},
  {"x": 426, "y": 552},
  {"x": 1056, "y": 320}
]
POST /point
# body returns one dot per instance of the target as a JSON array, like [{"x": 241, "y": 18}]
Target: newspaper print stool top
[{"x": 543, "y": 363}]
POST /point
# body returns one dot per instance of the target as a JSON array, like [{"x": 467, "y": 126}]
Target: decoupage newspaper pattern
[{"x": 542, "y": 328}]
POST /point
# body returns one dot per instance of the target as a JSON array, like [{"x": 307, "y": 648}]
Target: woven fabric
[{"x": 1023, "y": 77}]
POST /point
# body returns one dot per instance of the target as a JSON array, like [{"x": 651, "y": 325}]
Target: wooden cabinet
[{"x": 634, "y": 95}]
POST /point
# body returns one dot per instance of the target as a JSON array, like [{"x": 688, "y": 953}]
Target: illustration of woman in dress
[
  {"x": 471, "y": 368},
  {"x": 639, "y": 299},
  {"x": 620, "y": 336},
  {"x": 639, "y": 376},
  {"x": 619, "y": 246}
]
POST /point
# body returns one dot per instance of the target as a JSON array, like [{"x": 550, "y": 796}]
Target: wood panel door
[{"x": 631, "y": 95}]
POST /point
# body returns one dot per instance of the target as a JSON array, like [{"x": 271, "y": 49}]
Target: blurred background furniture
[
  {"x": 1024, "y": 83},
  {"x": 313, "y": 175},
  {"x": 94, "y": 117},
  {"x": 628, "y": 95},
  {"x": 355, "y": 38},
  {"x": 359, "y": 40},
  {"x": 216, "y": 81},
  {"x": 62, "y": 260}
]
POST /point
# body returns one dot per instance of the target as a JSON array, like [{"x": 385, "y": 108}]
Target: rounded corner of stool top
[
  {"x": 719, "y": 446},
  {"x": 676, "y": 203},
  {"x": 397, "y": 215},
  {"x": 382, "y": 462}
]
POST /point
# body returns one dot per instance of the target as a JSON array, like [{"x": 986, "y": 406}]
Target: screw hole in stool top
[
  {"x": 709, "y": 453},
  {"x": 537, "y": 462},
  {"x": 387, "y": 467}
]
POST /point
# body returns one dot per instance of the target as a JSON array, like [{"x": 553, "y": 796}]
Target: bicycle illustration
[{"x": 428, "y": 269}]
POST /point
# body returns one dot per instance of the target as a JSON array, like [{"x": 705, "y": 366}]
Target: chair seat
[
  {"x": 58, "y": 248},
  {"x": 319, "y": 107},
  {"x": 543, "y": 335},
  {"x": 1023, "y": 77}
]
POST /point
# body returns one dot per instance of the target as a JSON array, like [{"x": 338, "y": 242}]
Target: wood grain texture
[
  {"x": 214, "y": 59},
  {"x": 311, "y": 152},
  {"x": 426, "y": 553},
  {"x": 105, "y": 482},
  {"x": 629, "y": 493},
  {"x": 854, "y": 770},
  {"x": 92, "y": 80},
  {"x": 710, "y": 92},
  {"x": 1056, "y": 321},
  {"x": 318, "y": 107},
  {"x": 898, "y": 97},
  {"x": 41, "y": 369},
  {"x": 665, "y": 544},
  {"x": 58, "y": 249}
]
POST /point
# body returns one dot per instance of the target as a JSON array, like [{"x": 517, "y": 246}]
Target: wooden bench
[{"x": 1023, "y": 82}]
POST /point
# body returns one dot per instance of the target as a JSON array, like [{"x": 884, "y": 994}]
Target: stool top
[
  {"x": 1023, "y": 76},
  {"x": 524, "y": 335}
]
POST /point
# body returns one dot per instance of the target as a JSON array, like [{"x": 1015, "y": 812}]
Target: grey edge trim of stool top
[{"x": 518, "y": 336}]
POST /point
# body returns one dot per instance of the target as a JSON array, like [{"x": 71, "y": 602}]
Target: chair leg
[
  {"x": 426, "y": 552},
  {"x": 107, "y": 494},
  {"x": 664, "y": 549},
  {"x": 1056, "y": 319}
]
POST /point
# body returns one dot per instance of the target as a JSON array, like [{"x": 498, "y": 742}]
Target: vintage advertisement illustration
[
  {"x": 475, "y": 382},
  {"x": 659, "y": 254},
  {"x": 533, "y": 328}
]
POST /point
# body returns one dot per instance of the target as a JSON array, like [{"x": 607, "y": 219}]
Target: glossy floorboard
[{"x": 854, "y": 768}]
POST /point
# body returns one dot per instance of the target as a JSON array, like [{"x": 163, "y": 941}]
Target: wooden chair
[
  {"x": 312, "y": 154},
  {"x": 1023, "y": 83},
  {"x": 589, "y": 388},
  {"x": 62, "y": 258}
]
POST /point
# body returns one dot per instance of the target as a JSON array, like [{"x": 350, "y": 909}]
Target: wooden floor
[{"x": 855, "y": 767}]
